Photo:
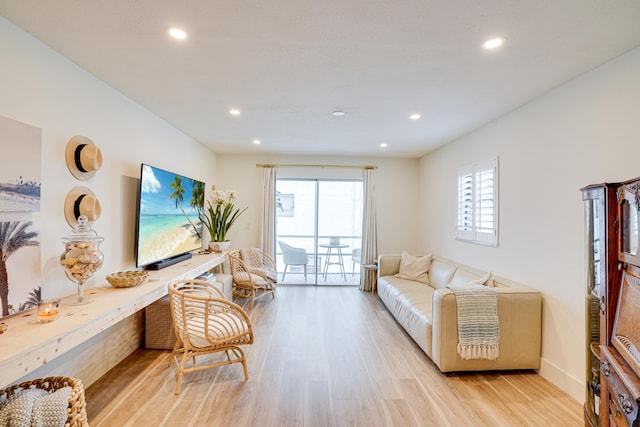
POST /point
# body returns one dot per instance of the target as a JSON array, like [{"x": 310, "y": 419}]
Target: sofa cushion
[
  {"x": 486, "y": 280},
  {"x": 414, "y": 268},
  {"x": 410, "y": 303},
  {"x": 441, "y": 273},
  {"x": 464, "y": 277}
]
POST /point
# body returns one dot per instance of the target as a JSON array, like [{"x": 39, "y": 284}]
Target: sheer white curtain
[
  {"x": 369, "y": 227},
  {"x": 268, "y": 223}
]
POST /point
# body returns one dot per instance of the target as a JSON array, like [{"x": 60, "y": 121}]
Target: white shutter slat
[{"x": 477, "y": 215}]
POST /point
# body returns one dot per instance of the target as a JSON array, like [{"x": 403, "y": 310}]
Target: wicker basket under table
[{"x": 77, "y": 409}]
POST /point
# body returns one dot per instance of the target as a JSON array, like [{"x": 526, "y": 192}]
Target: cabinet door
[{"x": 628, "y": 206}]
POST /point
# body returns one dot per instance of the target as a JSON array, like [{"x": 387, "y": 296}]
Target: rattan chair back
[
  {"x": 247, "y": 284},
  {"x": 206, "y": 322}
]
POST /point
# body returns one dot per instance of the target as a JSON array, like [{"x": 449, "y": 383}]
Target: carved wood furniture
[{"x": 613, "y": 304}]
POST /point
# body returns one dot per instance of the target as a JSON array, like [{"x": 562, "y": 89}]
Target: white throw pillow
[
  {"x": 486, "y": 280},
  {"x": 414, "y": 268}
]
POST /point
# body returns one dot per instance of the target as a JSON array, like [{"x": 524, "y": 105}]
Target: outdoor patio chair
[
  {"x": 355, "y": 258},
  {"x": 293, "y": 256}
]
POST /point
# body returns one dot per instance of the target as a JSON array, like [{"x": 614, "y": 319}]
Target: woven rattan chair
[
  {"x": 247, "y": 284},
  {"x": 259, "y": 263},
  {"x": 206, "y": 322}
]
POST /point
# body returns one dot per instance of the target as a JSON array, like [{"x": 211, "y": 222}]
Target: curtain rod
[{"x": 289, "y": 165}]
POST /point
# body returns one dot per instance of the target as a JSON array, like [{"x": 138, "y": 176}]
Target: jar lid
[{"x": 83, "y": 231}]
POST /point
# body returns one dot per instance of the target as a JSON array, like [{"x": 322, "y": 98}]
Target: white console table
[{"x": 28, "y": 345}]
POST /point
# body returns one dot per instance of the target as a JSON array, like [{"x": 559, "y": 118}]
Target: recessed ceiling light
[
  {"x": 177, "y": 33},
  {"x": 493, "y": 43},
  {"x": 415, "y": 116},
  {"x": 383, "y": 145},
  {"x": 234, "y": 112},
  {"x": 257, "y": 142},
  {"x": 338, "y": 113}
]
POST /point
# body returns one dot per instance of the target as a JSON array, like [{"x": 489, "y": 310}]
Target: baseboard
[{"x": 572, "y": 386}]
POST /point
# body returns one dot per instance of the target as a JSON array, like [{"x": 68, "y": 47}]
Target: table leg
[
  {"x": 326, "y": 263},
  {"x": 341, "y": 262}
]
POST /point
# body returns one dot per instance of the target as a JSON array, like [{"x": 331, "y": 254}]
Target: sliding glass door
[{"x": 318, "y": 231}]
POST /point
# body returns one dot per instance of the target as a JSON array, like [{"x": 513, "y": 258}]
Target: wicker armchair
[
  {"x": 246, "y": 283},
  {"x": 259, "y": 263},
  {"x": 206, "y": 322}
]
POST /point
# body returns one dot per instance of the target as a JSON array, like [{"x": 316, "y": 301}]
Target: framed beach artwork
[
  {"x": 20, "y": 287},
  {"x": 285, "y": 204},
  {"x": 20, "y": 182},
  {"x": 20, "y": 164}
]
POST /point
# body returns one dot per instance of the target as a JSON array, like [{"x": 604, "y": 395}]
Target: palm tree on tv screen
[
  {"x": 197, "y": 197},
  {"x": 178, "y": 190}
]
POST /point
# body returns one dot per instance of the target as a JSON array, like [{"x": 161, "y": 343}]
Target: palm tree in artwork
[
  {"x": 13, "y": 236},
  {"x": 178, "y": 190},
  {"x": 32, "y": 299}
]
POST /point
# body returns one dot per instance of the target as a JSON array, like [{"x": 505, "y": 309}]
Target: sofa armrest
[
  {"x": 388, "y": 264},
  {"x": 520, "y": 322}
]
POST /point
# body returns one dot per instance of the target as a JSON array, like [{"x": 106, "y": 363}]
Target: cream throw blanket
[
  {"x": 478, "y": 328},
  {"x": 35, "y": 408}
]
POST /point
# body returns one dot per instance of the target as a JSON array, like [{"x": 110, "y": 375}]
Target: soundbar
[{"x": 169, "y": 261}]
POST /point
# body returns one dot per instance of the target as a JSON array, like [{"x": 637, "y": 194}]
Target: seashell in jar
[
  {"x": 85, "y": 245},
  {"x": 78, "y": 268},
  {"x": 69, "y": 261},
  {"x": 86, "y": 258},
  {"x": 72, "y": 253}
]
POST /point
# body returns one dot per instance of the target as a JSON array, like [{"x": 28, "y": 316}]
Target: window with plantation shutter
[
  {"x": 465, "y": 204},
  {"x": 477, "y": 200}
]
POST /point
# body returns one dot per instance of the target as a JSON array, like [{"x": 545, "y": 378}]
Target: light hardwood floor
[{"x": 327, "y": 356}]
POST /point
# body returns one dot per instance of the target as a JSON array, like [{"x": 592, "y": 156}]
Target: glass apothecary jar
[{"x": 81, "y": 257}]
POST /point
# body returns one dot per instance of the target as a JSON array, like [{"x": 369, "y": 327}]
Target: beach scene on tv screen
[{"x": 168, "y": 220}]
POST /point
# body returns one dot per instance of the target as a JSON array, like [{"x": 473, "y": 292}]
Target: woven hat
[
  {"x": 83, "y": 157},
  {"x": 81, "y": 201}
]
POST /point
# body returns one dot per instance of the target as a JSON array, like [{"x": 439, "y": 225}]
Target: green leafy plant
[{"x": 220, "y": 214}]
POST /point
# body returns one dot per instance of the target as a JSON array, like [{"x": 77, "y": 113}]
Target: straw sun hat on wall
[
  {"x": 83, "y": 157},
  {"x": 81, "y": 201}
]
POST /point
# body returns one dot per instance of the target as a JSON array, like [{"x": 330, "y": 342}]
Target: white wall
[
  {"x": 396, "y": 189},
  {"x": 586, "y": 131},
  {"x": 42, "y": 88}
]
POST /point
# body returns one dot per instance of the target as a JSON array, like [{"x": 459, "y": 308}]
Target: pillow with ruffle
[
  {"x": 486, "y": 280},
  {"x": 414, "y": 268}
]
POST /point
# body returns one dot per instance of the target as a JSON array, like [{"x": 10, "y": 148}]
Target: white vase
[{"x": 220, "y": 246}]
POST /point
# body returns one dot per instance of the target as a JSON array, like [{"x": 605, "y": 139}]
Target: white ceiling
[{"x": 287, "y": 64}]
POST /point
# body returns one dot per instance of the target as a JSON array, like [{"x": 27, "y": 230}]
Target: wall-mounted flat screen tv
[{"x": 168, "y": 225}]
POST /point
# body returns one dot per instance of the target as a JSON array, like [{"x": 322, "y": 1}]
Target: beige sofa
[{"x": 428, "y": 313}]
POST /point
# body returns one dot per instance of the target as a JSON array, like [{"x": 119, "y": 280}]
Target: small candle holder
[{"x": 48, "y": 310}]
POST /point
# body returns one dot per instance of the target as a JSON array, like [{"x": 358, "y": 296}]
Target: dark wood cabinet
[
  {"x": 602, "y": 261},
  {"x": 613, "y": 304}
]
